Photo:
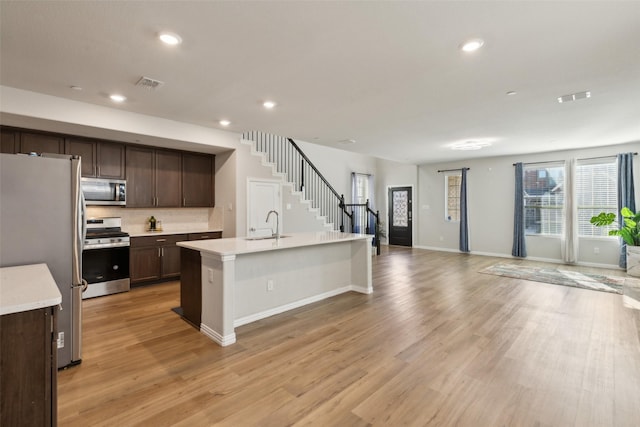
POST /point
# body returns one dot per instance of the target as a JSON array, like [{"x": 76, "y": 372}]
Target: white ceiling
[{"x": 389, "y": 75}]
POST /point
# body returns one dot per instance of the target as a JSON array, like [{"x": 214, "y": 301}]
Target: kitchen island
[{"x": 235, "y": 281}]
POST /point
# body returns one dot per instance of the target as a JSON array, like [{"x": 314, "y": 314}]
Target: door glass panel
[{"x": 400, "y": 209}]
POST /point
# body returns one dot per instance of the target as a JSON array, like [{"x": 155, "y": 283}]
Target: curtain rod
[
  {"x": 452, "y": 170},
  {"x": 603, "y": 157},
  {"x": 563, "y": 161},
  {"x": 541, "y": 163}
]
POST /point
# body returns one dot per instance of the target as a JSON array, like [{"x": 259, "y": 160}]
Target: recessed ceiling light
[
  {"x": 224, "y": 122},
  {"x": 347, "y": 141},
  {"x": 171, "y": 39},
  {"x": 118, "y": 98},
  {"x": 512, "y": 92},
  {"x": 268, "y": 104},
  {"x": 472, "y": 45},
  {"x": 470, "y": 145},
  {"x": 78, "y": 88}
]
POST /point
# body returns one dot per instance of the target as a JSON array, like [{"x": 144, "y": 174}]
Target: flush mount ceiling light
[
  {"x": 268, "y": 104},
  {"x": 169, "y": 38},
  {"x": 118, "y": 98},
  {"x": 470, "y": 145},
  {"x": 472, "y": 45},
  {"x": 574, "y": 96},
  {"x": 224, "y": 122}
]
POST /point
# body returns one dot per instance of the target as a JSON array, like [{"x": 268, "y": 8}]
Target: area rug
[{"x": 576, "y": 279}]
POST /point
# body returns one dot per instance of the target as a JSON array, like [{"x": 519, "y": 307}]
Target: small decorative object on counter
[
  {"x": 152, "y": 223},
  {"x": 158, "y": 225}
]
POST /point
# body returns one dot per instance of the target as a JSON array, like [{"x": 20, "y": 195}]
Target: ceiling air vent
[
  {"x": 149, "y": 83},
  {"x": 574, "y": 96}
]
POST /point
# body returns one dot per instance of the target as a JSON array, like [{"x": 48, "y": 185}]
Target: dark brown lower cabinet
[
  {"x": 28, "y": 368},
  {"x": 155, "y": 258},
  {"x": 191, "y": 286}
]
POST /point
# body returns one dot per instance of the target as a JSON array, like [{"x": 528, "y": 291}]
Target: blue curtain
[
  {"x": 626, "y": 196},
  {"x": 464, "y": 224},
  {"x": 519, "y": 243}
]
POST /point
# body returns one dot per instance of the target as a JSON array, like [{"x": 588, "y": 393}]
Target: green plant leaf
[
  {"x": 626, "y": 212},
  {"x": 603, "y": 219}
]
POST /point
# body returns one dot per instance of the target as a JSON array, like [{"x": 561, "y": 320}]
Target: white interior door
[{"x": 264, "y": 196}]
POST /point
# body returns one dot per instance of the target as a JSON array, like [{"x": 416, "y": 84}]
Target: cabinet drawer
[
  {"x": 159, "y": 240},
  {"x": 205, "y": 236}
]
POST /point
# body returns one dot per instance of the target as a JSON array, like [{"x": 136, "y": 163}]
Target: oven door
[{"x": 106, "y": 270}]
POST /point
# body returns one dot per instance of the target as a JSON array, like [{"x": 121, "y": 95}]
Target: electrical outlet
[
  {"x": 210, "y": 271},
  {"x": 596, "y": 251},
  {"x": 269, "y": 285},
  {"x": 60, "y": 339}
]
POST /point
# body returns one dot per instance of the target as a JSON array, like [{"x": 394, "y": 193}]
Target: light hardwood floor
[{"x": 436, "y": 344}]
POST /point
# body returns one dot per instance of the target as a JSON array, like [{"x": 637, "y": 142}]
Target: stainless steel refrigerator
[{"x": 42, "y": 221}]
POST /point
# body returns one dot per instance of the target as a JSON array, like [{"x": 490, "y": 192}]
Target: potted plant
[{"x": 629, "y": 231}]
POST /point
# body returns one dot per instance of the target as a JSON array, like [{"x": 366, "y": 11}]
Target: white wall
[{"x": 490, "y": 200}]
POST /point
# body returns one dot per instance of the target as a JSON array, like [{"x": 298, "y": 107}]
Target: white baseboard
[
  {"x": 216, "y": 337},
  {"x": 296, "y": 304},
  {"x": 540, "y": 259}
]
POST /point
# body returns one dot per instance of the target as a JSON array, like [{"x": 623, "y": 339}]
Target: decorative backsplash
[{"x": 134, "y": 221}]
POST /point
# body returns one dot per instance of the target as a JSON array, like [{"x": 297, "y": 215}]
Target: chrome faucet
[{"x": 277, "y": 233}]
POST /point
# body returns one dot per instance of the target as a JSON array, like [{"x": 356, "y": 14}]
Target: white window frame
[
  {"x": 608, "y": 202},
  {"x": 447, "y": 214},
  {"x": 545, "y": 209}
]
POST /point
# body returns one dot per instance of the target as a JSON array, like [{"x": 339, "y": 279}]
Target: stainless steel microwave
[{"x": 100, "y": 191}]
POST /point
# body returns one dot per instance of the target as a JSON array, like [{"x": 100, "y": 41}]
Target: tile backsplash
[{"x": 135, "y": 220}]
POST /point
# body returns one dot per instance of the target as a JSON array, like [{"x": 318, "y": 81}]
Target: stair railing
[
  {"x": 289, "y": 159},
  {"x": 365, "y": 221}
]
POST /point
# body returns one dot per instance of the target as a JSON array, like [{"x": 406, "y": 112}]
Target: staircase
[{"x": 289, "y": 161}]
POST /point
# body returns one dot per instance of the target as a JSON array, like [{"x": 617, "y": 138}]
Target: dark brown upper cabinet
[
  {"x": 198, "y": 180},
  {"x": 41, "y": 143},
  {"x": 100, "y": 159},
  {"x": 10, "y": 141},
  {"x": 153, "y": 177}
]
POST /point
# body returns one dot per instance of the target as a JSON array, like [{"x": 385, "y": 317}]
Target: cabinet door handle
[
  {"x": 98, "y": 170},
  {"x": 184, "y": 201},
  {"x": 161, "y": 240},
  {"x": 162, "y": 251},
  {"x": 204, "y": 237},
  {"x": 159, "y": 253}
]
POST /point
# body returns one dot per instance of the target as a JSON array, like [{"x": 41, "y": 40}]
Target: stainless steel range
[{"x": 105, "y": 258}]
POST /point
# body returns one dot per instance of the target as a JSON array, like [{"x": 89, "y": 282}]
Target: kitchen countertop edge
[
  {"x": 167, "y": 233},
  {"x": 241, "y": 245},
  {"x": 27, "y": 287}
]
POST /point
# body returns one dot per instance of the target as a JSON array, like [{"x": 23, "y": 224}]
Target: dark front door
[{"x": 400, "y": 229}]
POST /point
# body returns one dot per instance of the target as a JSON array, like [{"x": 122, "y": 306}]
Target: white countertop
[
  {"x": 165, "y": 232},
  {"x": 243, "y": 245},
  {"x": 27, "y": 287}
]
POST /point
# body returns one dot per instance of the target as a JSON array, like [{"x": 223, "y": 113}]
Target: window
[
  {"x": 544, "y": 198},
  {"x": 452, "y": 197},
  {"x": 360, "y": 188},
  {"x": 596, "y": 191}
]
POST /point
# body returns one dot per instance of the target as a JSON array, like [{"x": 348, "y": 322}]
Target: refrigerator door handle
[{"x": 79, "y": 225}]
